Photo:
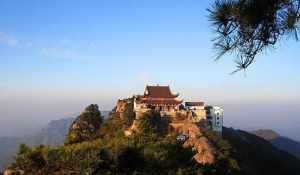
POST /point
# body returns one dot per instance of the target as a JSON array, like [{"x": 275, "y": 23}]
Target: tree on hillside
[
  {"x": 249, "y": 27},
  {"x": 153, "y": 124},
  {"x": 86, "y": 126},
  {"x": 129, "y": 114}
]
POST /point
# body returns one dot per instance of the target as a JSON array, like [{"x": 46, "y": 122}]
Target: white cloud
[{"x": 8, "y": 40}]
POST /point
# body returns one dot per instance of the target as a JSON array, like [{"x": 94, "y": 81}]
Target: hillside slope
[
  {"x": 258, "y": 156},
  {"x": 283, "y": 143}
]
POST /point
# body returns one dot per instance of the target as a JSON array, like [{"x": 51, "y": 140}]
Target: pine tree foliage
[
  {"x": 249, "y": 27},
  {"x": 86, "y": 126}
]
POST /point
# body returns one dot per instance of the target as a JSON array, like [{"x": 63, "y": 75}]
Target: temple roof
[
  {"x": 159, "y": 92},
  {"x": 198, "y": 103}
]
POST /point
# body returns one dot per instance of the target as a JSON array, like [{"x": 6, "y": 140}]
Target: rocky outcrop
[
  {"x": 133, "y": 129},
  {"x": 204, "y": 151},
  {"x": 86, "y": 126},
  {"x": 122, "y": 106},
  {"x": 13, "y": 172}
]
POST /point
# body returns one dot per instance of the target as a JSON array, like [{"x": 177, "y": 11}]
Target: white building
[{"x": 214, "y": 115}]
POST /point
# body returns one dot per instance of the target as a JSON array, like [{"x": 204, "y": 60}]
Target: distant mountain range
[
  {"x": 282, "y": 143},
  {"x": 52, "y": 134}
]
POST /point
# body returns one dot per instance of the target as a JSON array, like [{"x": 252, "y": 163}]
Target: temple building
[{"x": 159, "y": 98}]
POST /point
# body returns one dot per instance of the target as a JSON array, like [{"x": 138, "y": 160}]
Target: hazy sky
[{"x": 59, "y": 56}]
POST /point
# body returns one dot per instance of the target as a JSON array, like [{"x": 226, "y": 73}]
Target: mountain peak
[{"x": 266, "y": 134}]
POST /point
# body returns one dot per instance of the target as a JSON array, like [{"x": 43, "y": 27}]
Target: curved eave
[{"x": 174, "y": 95}]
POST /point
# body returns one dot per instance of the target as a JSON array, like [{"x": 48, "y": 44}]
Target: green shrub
[{"x": 83, "y": 158}]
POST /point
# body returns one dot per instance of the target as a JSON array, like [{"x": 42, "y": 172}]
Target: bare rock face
[
  {"x": 121, "y": 107},
  {"x": 133, "y": 129},
  {"x": 86, "y": 126},
  {"x": 205, "y": 151}
]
